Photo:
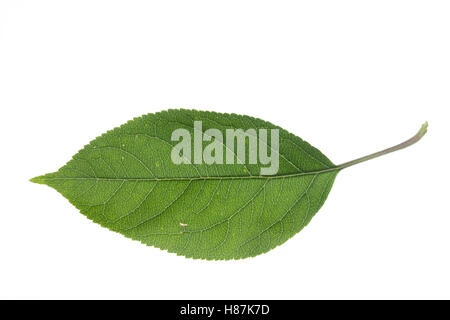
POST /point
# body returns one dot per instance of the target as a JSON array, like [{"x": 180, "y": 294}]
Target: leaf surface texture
[{"x": 126, "y": 181}]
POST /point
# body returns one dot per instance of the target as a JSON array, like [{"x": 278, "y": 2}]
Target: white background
[{"x": 350, "y": 77}]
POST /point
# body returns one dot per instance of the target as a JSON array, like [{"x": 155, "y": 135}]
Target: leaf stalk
[{"x": 402, "y": 145}]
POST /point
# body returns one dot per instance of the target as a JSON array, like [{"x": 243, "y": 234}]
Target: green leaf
[{"x": 125, "y": 180}]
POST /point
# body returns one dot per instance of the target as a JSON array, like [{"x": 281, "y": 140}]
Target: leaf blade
[{"x": 125, "y": 181}]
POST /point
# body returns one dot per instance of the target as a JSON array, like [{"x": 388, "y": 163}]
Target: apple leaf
[{"x": 126, "y": 181}]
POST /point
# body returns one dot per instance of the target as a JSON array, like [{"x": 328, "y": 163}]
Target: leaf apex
[{"x": 38, "y": 179}]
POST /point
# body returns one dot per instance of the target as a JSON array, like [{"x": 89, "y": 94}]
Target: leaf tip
[{"x": 39, "y": 179}]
